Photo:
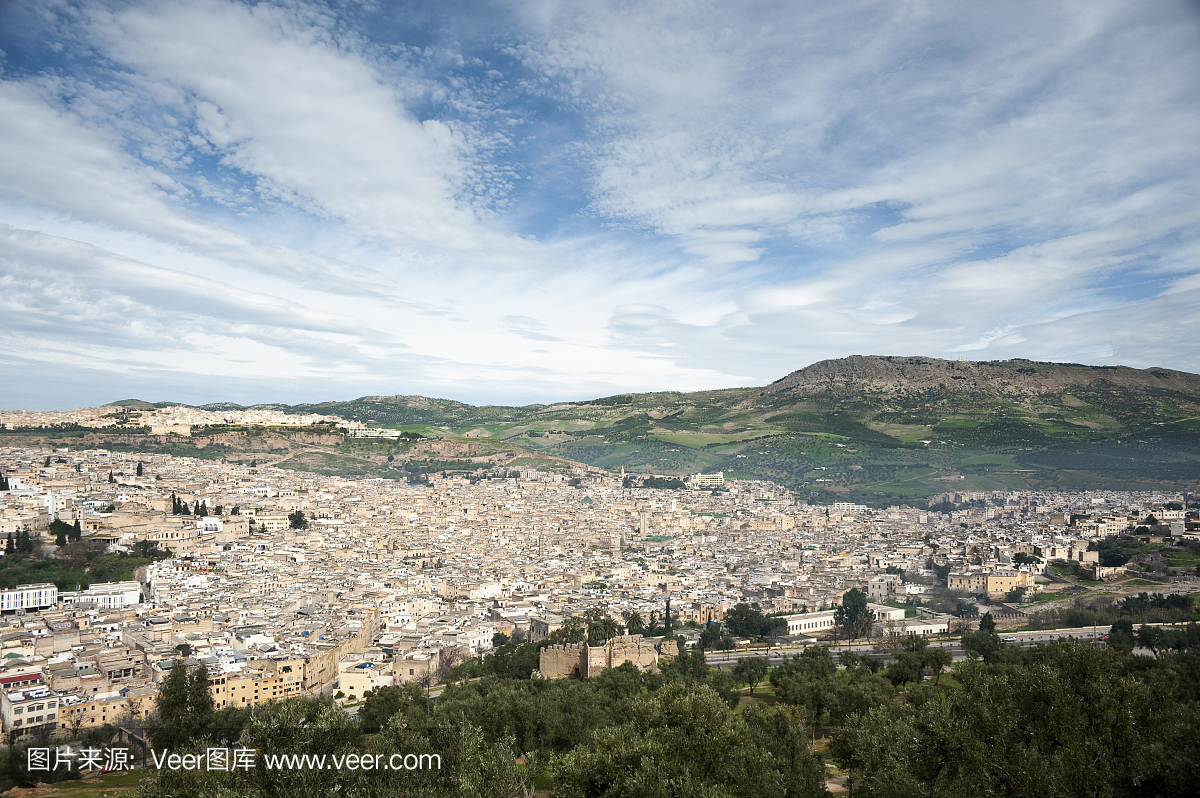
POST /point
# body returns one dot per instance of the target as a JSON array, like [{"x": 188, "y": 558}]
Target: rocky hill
[
  {"x": 874, "y": 374},
  {"x": 874, "y": 429}
]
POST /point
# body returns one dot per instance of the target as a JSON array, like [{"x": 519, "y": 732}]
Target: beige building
[
  {"x": 996, "y": 584},
  {"x": 87, "y": 712},
  {"x": 266, "y": 680},
  {"x": 356, "y": 677}
]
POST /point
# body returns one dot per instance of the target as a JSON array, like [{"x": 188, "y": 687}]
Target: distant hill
[
  {"x": 138, "y": 404},
  {"x": 882, "y": 374},
  {"x": 873, "y": 428},
  {"x": 866, "y": 426}
]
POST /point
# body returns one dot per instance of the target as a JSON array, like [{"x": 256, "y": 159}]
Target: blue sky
[{"x": 214, "y": 200}]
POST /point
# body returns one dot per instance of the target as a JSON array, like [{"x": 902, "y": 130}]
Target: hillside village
[{"x": 285, "y": 583}]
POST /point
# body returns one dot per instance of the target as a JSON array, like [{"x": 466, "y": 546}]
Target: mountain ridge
[
  {"x": 870, "y": 428},
  {"x": 884, "y": 373},
  {"x": 865, "y": 373}
]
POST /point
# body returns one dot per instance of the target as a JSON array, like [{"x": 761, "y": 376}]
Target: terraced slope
[
  {"x": 866, "y": 426},
  {"x": 872, "y": 428}
]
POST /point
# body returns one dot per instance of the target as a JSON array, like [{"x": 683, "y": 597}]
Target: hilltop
[
  {"x": 882, "y": 374},
  {"x": 874, "y": 428}
]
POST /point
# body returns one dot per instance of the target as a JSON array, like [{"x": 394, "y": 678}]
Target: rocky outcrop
[{"x": 882, "y": 374}]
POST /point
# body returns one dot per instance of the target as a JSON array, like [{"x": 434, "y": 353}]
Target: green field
[{"x": 885, "y": 430}]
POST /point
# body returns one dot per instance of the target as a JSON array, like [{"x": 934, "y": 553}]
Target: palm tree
[
  {"x": 610, "y": 628},
  {"x": 635, "y": 622},
  {"x": 573, "y": 630}
]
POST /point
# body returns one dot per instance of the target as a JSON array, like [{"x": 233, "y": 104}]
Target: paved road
[{"x": 727, "y": 659}]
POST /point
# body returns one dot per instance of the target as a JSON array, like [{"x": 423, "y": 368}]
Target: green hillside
[
  {"x": 874, "y": 429},
  {"x": 869, "y": 427}
]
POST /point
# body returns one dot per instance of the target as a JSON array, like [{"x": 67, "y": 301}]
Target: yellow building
[
  {"x": 76, "y": 715},
  {"x": 273, "y": 680},
  {"x": 996, "y": 584}
]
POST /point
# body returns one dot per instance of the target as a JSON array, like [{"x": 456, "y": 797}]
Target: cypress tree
[
  {"x": 10, "y": 545},
  {"x": 172, "y": 707},
  {"x": 111, "y": 479},
  {"x": 139, "y": 468},
  {"x": 200, "y": 701},
  {"x": 3, "y": 482},
  {"x": 76, "y": 532}
]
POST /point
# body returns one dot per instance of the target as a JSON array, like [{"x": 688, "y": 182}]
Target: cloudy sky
[{"x": 530, "y": 201}]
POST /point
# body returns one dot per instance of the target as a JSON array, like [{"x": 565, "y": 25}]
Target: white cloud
[
  {"x": 312, "y": 119},
  {"x": 274, "y": 199}
]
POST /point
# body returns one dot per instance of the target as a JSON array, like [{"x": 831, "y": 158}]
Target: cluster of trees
[
  {"x": 22, "y": 544},
  {"x": 622, "y": 733},
  {"x": 76, "y": 563},
  {"x": 853, "y": 618},
  {"x": 63, "y": 532},
  {"x": 185, "y": 715},
  {"x": 715, "y": 636},
  {"x": 656, "y": 626},
  {"x": 1104, "y": 611},
  {"x": 1024, "y": 558},
  {"x": 1117, "y": 551},
  {"x": 1065, "y": 719},
  {"x": 813, "y": 682},
  {"x": 297, "y": 520},
  {"x": 915, "y": 658},
  {"x": 198, "y": 508},
  {"x": 983, "y": 642},
  {"x": 663, "y": 483},
  {"x": 748, "y": 620},
  {"x": 1154, "y": 639},
  {"x": 1145, "y": 603}
]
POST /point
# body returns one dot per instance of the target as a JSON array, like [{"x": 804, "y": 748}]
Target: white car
[{"x": 1010, "y": 639}]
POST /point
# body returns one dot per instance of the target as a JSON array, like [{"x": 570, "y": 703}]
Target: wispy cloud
[{"x": 304, "y": 201}]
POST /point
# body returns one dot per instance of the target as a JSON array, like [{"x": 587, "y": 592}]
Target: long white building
[
  {"x": 107, "y": 595},
  {"x": 29, "y": 597}
]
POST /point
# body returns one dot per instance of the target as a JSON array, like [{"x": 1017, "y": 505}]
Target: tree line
[{"x": 1062, "y": 719}]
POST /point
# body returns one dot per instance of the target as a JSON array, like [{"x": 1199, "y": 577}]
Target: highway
[{"x": 775, "y": 654}]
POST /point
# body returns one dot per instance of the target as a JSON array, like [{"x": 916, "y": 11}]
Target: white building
[
  {"x": 208, "y": 525},
  {"x": 107, "y": 595},
  {"x": 708, "y": 481},
  {"x": 29, "y": 710},
  {"x": 810, "y": 622},
  {"x": 367, "y": 432},
  {"x": 29, "y": 597}
]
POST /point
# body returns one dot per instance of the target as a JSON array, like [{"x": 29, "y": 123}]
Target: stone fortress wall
[{"x": 582, "y": 659}]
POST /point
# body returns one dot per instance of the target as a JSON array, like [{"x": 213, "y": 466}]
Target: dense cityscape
[
  {"x": 606, "y": 399},
  {"x": 284, "y": 583}
]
